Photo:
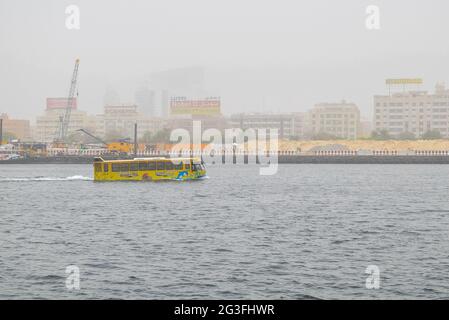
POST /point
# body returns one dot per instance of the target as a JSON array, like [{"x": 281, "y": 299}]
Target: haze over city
[
  {"x": 256, "y": 56},
  {"x": 220, "y": 157}
]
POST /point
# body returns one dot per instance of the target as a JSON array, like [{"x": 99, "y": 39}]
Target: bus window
[
  {"x": 143, "y": 166},
  {"x": 178, "y": 166},
  {"x": 106, "y": 167},
  {"x": 187, "y": 166},
  {"x": 115, "y": 167},
  {"x": 134, "y": 166},
  {"x": 160, "y": 165},
  {"x": 197, "y": 167},
  {"x": 152, "y": 165},
  {"x": 124, "y": 167},
  {"x": 169, "y": 165}
]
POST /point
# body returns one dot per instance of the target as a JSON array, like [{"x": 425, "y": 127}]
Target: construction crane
[
  {"x": 65, "y": 119},
  {"x": 92, "y": 136}
]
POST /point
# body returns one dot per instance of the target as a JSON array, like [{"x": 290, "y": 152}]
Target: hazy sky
[{"x": 259, "y": 55}]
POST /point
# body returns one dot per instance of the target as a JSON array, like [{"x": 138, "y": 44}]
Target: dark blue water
[{"x": 309, "y": 231}]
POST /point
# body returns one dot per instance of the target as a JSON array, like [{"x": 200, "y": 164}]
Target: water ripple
[{"x": 308, "y": 232}]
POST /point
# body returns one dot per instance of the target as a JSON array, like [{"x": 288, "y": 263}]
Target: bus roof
[{"x": 193, "y": 159}]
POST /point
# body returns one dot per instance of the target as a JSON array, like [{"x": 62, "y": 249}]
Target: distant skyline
[{"x": 259, "y": 56}]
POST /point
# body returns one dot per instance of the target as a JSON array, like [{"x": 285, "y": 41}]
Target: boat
[{"x": 149, "y": 169}]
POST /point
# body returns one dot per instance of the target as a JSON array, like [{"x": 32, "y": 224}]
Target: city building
[
  {"x": 299, "y": 125},
  {"x": 145, "y": 100},
  {"x": 340, "y": 120},
  {"x": 150, "y": 124},
  {"x": 47, "y": 125},
  {"x": 219, "y": 122},
  {"x": 19, "y": 129},
  {"x": 289, "y": 125},
  {"x": 366, "y": 128},
  {"x": 118, "y": 122},
  {"x": 413, "y": 112},
  {"x": 183, "y": 107},
  {"x": 183, "y": 111},
  {"x": 164, "y": 100}
]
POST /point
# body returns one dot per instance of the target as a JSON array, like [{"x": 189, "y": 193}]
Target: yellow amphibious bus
[{"x": 148, "y": 169}]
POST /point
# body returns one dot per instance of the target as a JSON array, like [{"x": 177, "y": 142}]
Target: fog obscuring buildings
[
  {"x": 176, "y": 93},
  {"x": 111, "y": 96},
  {"x": 187, "y": 82},
  {"x": 145, "y": 100}
]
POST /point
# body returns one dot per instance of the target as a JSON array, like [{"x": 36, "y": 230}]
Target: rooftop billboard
[
  {"x": 60, "y": 103},
  {"x": 184, "y": 106}
]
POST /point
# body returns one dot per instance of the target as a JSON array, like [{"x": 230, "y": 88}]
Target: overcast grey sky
[{"x": 259, "y": 55}]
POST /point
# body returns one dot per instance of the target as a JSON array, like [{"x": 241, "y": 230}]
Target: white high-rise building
[{"x": 415, "y": 112}]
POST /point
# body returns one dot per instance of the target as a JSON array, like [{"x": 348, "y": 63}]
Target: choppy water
[{"x": 309, "y": 231}]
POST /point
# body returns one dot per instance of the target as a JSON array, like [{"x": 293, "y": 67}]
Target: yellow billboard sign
[
  {"x": 404, "y": 81},
  {"x": 208, "y": 106}
]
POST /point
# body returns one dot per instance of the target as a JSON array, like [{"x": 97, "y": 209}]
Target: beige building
[
  {"x": 366, "y": 128},
  {"x": 299, "y": 125},
  {"x": 341, "y": 120},
  {"x": 47, "y": 125},
  {"x": 118, "y": 121},
  {"x": 19, "y": 128},
  {"x": 289, "y": 125},
  {"x": 413, "y": 112}
]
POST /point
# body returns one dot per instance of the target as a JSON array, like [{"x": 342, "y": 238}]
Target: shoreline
[{"x": 282, "y": 159}]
